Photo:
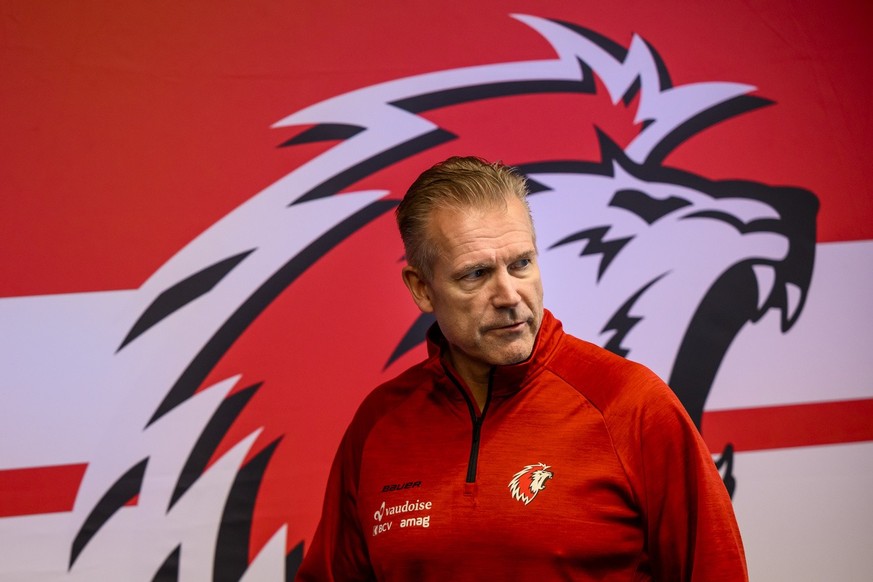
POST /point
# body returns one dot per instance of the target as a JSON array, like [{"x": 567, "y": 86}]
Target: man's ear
[{"x": 418, "y": 288}]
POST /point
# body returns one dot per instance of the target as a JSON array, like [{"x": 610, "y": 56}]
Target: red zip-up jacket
[{"x": 581, "y": 466}]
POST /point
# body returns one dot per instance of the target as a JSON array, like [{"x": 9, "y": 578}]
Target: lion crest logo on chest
[{"x": 528, "y": 482}]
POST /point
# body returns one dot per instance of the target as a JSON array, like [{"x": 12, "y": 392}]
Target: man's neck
[
  {"x": 475, "y": 377},
  {"x": 480, "y": 392}
]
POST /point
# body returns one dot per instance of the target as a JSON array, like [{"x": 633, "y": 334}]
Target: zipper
[{"x": 477, "y": 421}]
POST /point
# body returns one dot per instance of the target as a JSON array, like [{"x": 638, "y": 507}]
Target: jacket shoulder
[
  {"x": 604, "y": 378},
  {"x": 386, "y": 397}
]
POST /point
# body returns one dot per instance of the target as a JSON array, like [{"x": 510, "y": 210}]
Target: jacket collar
[{"x": 511, "y": 378}]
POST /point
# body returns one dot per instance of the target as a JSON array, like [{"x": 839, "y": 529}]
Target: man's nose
[{"x": 505, "y": 292}]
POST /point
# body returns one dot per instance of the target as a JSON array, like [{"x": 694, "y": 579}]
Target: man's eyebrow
[
  {"x": 528, "y": 254},
  {"x": 467, "y": 267}
]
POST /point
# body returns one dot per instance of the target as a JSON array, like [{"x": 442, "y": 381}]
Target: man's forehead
[
  {"x": 454, "y": 219},
  {"x": 479, "y": 234}
]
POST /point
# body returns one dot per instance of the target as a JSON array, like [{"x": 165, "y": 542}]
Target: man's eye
[
  {"x": 521, "y": 264},
  {"x": 475, "y": 274}
]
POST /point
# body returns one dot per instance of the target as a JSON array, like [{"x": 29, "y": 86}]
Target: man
[{"x": 514, "y": 451}]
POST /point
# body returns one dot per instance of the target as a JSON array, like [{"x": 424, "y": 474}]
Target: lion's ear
[{"x": 418, "y": 288}]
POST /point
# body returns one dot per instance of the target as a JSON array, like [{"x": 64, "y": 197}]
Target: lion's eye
[
  {"x": 725, "y": 217},
  {"x": 648, "y": 208}
]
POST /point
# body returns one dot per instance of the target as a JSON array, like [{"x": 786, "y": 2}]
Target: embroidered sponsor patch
[{"x": 383, "y": 524}]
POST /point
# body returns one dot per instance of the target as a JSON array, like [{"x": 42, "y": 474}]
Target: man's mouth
[{"x": 515, "y": 326}]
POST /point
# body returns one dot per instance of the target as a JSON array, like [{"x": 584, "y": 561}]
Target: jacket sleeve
[
  {"x": 692, "y": 533},
  {"x": 338, "y": 550}
]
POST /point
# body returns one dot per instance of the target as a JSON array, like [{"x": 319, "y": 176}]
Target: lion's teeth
[
  {"x": 766, "y": 276},
  {"x": 793, "y": 298}
]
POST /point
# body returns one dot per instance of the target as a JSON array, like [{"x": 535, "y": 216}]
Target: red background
[{"x": 130, "y": 127}]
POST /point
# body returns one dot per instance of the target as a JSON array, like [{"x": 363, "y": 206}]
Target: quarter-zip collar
[{"x": 505, "y": 380}]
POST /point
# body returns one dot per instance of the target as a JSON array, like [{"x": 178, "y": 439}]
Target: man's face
[{"x": 486, "y": 291}]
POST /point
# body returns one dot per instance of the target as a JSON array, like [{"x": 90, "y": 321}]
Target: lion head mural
[{"x": 654, "y": 263}]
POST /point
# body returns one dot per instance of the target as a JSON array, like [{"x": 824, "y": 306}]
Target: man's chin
[{"x": 512, "y": 357}]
